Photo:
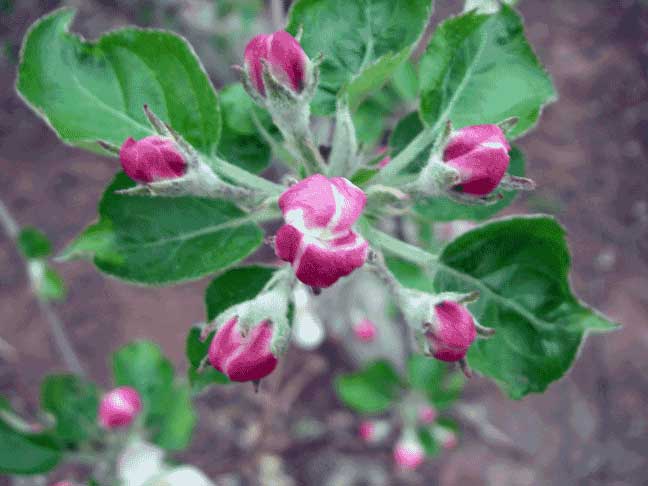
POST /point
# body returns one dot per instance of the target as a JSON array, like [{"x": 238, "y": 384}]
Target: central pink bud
[
  {"x": 286, "y": 60},
  {"x": 151, "y": 159},
  {"x": 427, "y": 414},
  {"x": 409, "y": 454},
  {"x": 317, "y": 237},
  {"x": 480, "y": 154},
  {"x": 365, "y": 331},
  {"x": 452, "y": 333},
  {"x": 119, "y": 407},
  {"x": 243, "y": 357}
]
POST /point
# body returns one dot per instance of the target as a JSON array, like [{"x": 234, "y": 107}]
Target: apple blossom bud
[
  {"x": 452, "y": 332},
  {"x": 119, "y": 407},
  {"x": 317, "y": 238},
  {"x": 480, "y": 154},
  {"x": 409, "y": 453},
  {"x": 243, "y": 355},
  {"x": 365, "y": 331},
  {"x": 63, "y": 483},
  {"x": 286, "y": 60},
  {"x": 367, "y": 430},
  {"x": 427, "y": 414},
  {"x": 449, "y": 441},
  {"x": 151, "y": 159}
]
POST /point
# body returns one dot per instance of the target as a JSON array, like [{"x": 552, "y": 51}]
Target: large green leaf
[
  {"x": 520, "y": 266},
  {"x": 96, "y": 90},
  {"x": 167, "y": 406},
  {"x": 481, "y": 69},
  {"x": 363, "y": 42},
  {"x": 371, "y": 390},
  {"x": 158, "y": 240},
  {"x": 22, "y": 452},
  {"x": 74, "y": 402}
]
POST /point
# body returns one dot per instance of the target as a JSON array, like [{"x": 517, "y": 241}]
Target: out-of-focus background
[{"x": 588, "y": 156}]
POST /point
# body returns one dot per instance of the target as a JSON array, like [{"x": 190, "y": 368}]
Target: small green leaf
[
  {"x": 430, "y": 444},
  {"x": 363, "y": 42},
  {"x": 431, "y": 377},
  {"x": 158, "y": 240},
  {"x": 51, "y": 286},
  {"x": 73, "y": 402},
  {"x": 520, "y": 267},
  {"x": 372, "y": 390},
  {"x": 405, "y": 81},
  {"x": 178, "y": 420},
  {"x": 22, "y": 452},
  {"x": 167, "y": 406},
  {"x": 33, "y": 243},
  {"x": 480, "y": 69},
  {"x": 404, "y": 132},
  {"x": 89, "y": 91},
  {"x": 235, "y": 286},
  {"x": 240, "y": 142}
]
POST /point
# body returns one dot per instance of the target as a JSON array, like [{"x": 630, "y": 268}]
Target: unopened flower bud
[
  {"x": 243, "y": 355},
  {"x": 480, "y": 153},
  {"x": 365, "y": 331},
  {"x": 152, "y": 159},
  {"x": 452, "y": 332},
  {"x": 317, "y": 238},
  {"x": 367, "y": 430},
  {"x": 427, "y": 414},
  {"x": 446, "y": 437},
  {"x": 286, "y": 60},
  {"x": 409, "y": 453},
  {"x": 119, "y": 407}
]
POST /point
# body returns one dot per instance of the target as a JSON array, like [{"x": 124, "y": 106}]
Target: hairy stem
[{"x": 57, "y": 328}]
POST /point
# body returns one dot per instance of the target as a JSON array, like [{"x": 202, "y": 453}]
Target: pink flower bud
[
  {"x": 286, "y": 60},
  {"x": 317, "y": 237},
  {"x": 243, "y": 357},
  {"x": 63, "y": 483},
  {"x": 427, "y": 414},
  {"x": 119, "y": 407},
  {"x": 151, "y": 159},
  {"x": 409, "y": 454},
  {"x": 480, "y": 154},
  {"x": 367, "y": 430},
  {"x": 453, "y": 331},
  {"x": 365, "y": 331},
  {"x": 449, "y": 441}
]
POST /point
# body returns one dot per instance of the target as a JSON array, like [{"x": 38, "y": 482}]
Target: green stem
[
  {"x": 245, "y": 178},
  {"x": 382, "y": 240}
]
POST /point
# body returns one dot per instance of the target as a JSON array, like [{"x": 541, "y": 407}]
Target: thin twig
[{"x": 57, "y": 328}]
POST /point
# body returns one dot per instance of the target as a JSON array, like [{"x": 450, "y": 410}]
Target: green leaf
[
  {"x": 158, "y": 240},
  {"x": 429, "y": 443},
  {"x": 178, "y": 420},
  {"x": 89, "y": 91},
  {"x": 240, "y": 142},
  {"x": 441, "y": 208},
  {"x": 372, "y": 390},
  {"x": 196, "y": 350},
  {"x": 431, "y": 377},
  {"x": 235, "y": 286},
  {"x": 363, "y": 42},
  {"x": 405, "y": 81},
  {"x": 51, "y": 286},
  {"x": 167, "y": 406},
  {"x": 22, "y": 452},
  {"x": 480, "y": 69},
  {"x": 73, "y": 402},
  {"x": 33, "y": 243},
  {"x": 520, "y": 266}
]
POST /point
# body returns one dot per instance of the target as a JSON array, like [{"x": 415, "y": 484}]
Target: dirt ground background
[{"x": 588, "y": 157}]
